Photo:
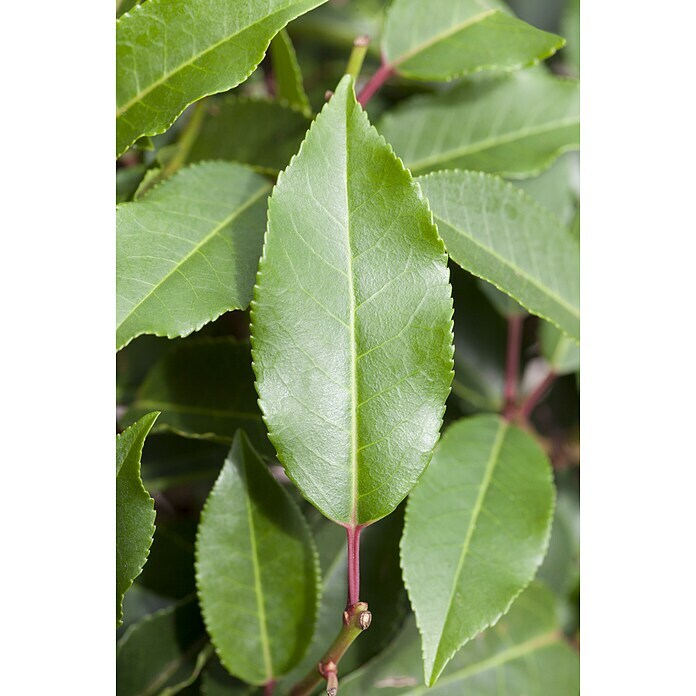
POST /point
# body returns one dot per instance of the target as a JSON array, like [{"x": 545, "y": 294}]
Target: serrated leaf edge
[
  {"x": 522, "y": 195},
  {"x": 495, "y": 619},
  {"x": 312, "y": 544},
  {"x": 416, "y": 187}
]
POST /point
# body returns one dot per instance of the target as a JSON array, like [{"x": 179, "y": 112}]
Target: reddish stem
[
  {"x": 533, "y": 399},
  {"x": 384, "y": 72},
  {"x": 512, "y": 364},
  {"x": 353, "y": 535},
  {"x": 269, "y": 687}
]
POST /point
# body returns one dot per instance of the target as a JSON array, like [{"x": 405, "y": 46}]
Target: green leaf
[
  {"x": 444, "y": 39},
  {"x": 571, "y": 30},
  {"x": 561, "y": 352},
  {"x": 287, "y": 73},
  {"x": 171, "y": 53},
  {"x": 557, "y": 188},
  {"x": 261, "y": 133},
  {"x": 498, "y": 233},
  {"x": 514, "y": 125},
  {"x": 204, "y": 388},
  {"x": 523, "y": 654},
  {"x": 256, "y": 570},
  {"x": 135, "y": 509},
  {"x": 476, "y": 530},
  {"x": 188, "y": 250},
  {"x": 351, "y": 320},
  {"x": 163, "y": 652}
]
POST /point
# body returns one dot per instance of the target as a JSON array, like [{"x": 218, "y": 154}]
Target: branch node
[{"x": 365, "y": 619}]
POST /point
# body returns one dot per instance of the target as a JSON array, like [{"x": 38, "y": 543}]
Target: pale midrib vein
[
  {"x": 147, "y": 404},
  {"x": 160, "y": 81},
  {"x": 574, "y": 311},
  {"x": 260, "y": 605},
  {"x": 441, "y": 36},
  {"x": 495, "y": 141},
  {"x": 476, "y": 511},
  {"x": 353, "y": 352},
  {"x": 501, "y": 658},
  {"x": 195, "y": 249}
]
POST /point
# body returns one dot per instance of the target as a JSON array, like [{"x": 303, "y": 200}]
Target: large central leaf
[
  {"x": 352, "y": 320},
  {"x": 172, "y": 52}
]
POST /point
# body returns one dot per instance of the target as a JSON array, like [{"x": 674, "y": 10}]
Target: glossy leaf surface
[
  {"x": 352, "y": 331},
  {"x": 256, "y": 570},
  {"x": 204, "y": 388},
  {"x": 523, "y": 653},
  {"x": 476, "y": 531},
  {"x": 287, "y": 75},
  {"x": 171, "y": 53},
  {"x": 163, "y": 652},
  {"x": 261, "y": 133},
  {"x": 514, "y": 125},
  {"x": 135, "y": 509},
  {"x": 498, "y": 233},
  {"x": 444, "y": 39},
  {"x": 188, "y": 250}
]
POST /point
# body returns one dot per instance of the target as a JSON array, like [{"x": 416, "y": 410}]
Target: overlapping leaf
[
  {"x": 561, "y": 352},
  {"x": 523, "y": 654},
  {"x": 287, "y": 75},
  {"x": 257, "y": 132},
  {"x": 163, "y": 653},
  {"x": 256, "y": 570},
  {"x": 476, "y": 531},
  {"x": 188, "y": 250},
  {"x": 498, "y": 233},
  {"x": 204, "y": 388},
  {"x": 443, "y": 39},
  {"x": 513, "y": 125},
  {"x": 351, "y": 334},
  {"x": 171, "y": 53},
  {"x": 135, "y": 509}
]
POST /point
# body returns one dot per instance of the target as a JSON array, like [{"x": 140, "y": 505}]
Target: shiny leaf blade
[
  {"x": 514, "y": 125},
  {"x": 287, "y": 74},
  {"x": 476, "y": 530},
  {"x": 256, "y": 570},
  {"x": 204, "y": 389},
  {"x": 162, "y": 652},
  {"x": 188, "y": 250},
  {"x": 135, "y": 509},
  {"x": 351, "y": 320},
  {"x": 171, "y": 53},
  {"x": 261, "y": 133},
  {"x": 524, "y": 653},
  {"x": 444, "y": 39},
  {"x": 498, "y": 233}
]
